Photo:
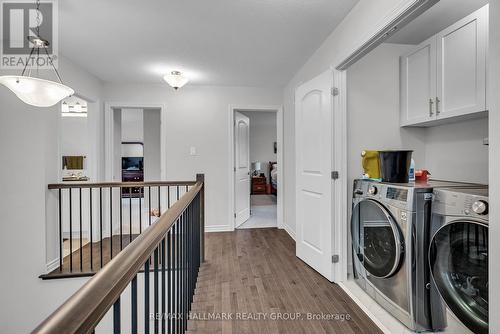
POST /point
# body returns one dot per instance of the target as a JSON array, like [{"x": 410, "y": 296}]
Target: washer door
[
  {"x": 458, "y": 258},
  {"x": 376, "y": 239}
]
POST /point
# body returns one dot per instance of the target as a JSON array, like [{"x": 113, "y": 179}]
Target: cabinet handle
[
  {"x": 437, "y": 105},
  {"x": 430, "y": 107}
]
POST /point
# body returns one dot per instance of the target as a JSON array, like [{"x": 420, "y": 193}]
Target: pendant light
[
  {"x": 35, "y": 91},
  {"x": 176, "y": 79}
]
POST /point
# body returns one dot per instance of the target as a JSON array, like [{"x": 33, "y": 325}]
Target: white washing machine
[{"x": 458, "y": 253}]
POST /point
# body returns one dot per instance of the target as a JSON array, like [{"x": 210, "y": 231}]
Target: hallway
[{"x": 254, "y": 273}]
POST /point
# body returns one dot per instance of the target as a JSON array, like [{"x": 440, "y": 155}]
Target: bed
[{"x": 273, "y": 177}]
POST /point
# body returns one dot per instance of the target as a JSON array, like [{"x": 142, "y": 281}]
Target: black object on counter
[{"x": 395, "y": 166}]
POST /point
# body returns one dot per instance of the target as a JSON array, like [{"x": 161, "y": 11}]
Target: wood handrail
[
  {"x": 84, "y": 309},
  {"x": 116, "y": 184}
]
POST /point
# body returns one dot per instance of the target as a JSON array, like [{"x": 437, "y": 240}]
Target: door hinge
[
  {"x": 235, "y": 169},
  {"x": 335, "y": 258},
  {"x": 335, "y": 175},
  {"x": 335, "y": 91}
]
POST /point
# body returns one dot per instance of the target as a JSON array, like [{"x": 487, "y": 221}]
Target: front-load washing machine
[
  {"x": 389, "y": 230},
  {"x": 458, "y": 253}
]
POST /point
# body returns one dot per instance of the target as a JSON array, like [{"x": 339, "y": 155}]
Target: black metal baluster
[
  {"x": 184, "y": 286},
  {"x": 130, "y": 213},
  {"x": 149, "y": 200},
  {"x": 91, "y": 232},
  {"x": 163, "y": 286},
  {"x": 121, "y": 218},
  {"x": 116, "y": 317},
  {"x": 140, "y": 210},
  {"x": 155, "y": 290},
  {"x": 178, "y": 262},
  {"x": 100, "y": 224},
  {"x": 177, "y": 192},
  {"x": 70, "y": 230},
  {"x": 146, "y": 297},
  {"x": 81, "y": 228},
  {"x": 159, "y": 201},
  {"x": 174, "y": 278},
  {"x": 169, "y": 281},
  {"x": 61, "y": 239},
  {"x": 134, "y": 303},
  {"x": 111, "y": 222}
]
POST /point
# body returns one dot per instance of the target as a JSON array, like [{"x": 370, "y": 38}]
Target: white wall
[
  {"x": 373, "y": 109},
  {"x": 263, "y": 135},
  {"x": 74, "y": 136},
  {"x": 456, "y": 152},
  {"x": 152, "y": 147},
  {"x": 198, "y": 116},
  {"x": 26, "y": 169},
  {"x": 132, "y": 125},
  {"x": 354, "y": 30},
  {"x": 494, "y": 131}
]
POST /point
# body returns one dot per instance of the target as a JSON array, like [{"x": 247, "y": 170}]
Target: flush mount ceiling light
[
  {"x": 176, "y": 79},
  {"x": 35, "y": 91}
]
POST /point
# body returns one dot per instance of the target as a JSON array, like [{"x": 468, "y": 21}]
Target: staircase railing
[
  {"x": 97, "y": 220},
  {"x": 170, "y": 251}
]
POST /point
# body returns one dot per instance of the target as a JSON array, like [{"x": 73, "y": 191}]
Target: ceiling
[
  {"x": 216, "y": 42},
  {"x": 435, "y": 19}
]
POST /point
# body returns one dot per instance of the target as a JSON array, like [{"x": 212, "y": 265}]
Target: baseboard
[
  {"x": 289, "y": 230},
  {"x": 363, "y": 307},
  {"x": 53, "y": 265},
  {"x": 218, "y": 228}
]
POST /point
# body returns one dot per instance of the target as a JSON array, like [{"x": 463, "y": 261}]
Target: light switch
[{"x": 192, "y": 150}]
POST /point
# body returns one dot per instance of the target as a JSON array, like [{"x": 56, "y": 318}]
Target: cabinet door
[
  {"x": 418, "y": 84},
  {"x": 461, "y": 64}
]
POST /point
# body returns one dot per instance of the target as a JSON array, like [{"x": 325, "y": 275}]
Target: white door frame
[
  {"x": 341, "y": 220},
  {"x": 278, "y": 109},
  {"x": 109, "y": 129}
]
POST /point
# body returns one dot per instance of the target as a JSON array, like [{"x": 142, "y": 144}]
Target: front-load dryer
[
  {"x": 389, "y": 230},
  {"x": 458, "y": 253}
]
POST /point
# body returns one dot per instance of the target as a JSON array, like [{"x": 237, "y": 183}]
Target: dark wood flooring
[{"x": 255, "y": 273}]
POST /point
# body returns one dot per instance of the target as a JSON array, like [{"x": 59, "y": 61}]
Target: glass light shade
[
  {"x": 176, "y": 79},
  {"x": 36, "y": 92},
  {"x": 256, "y": 165}
]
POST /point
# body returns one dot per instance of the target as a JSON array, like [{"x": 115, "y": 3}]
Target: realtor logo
[{"x": 21, "y": 24}]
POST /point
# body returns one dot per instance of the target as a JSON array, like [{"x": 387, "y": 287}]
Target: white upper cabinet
[
  {"x": 418, "y": 83},
  {"x": 445, "y": 76}
]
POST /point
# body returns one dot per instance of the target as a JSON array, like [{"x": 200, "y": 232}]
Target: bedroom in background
[{"x": 256, "y": 168}]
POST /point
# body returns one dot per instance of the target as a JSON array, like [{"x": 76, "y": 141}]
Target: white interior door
[
  {"x": 314, "y": 159},
  {"x": 241, "y": 168}
]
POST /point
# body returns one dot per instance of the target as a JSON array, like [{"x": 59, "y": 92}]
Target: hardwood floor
[
  {"x": 71, "y": 264},
  {"x": 255, "y": 273}
]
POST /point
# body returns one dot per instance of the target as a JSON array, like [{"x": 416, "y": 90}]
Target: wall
[
  {"x": 74, "y": 136},
  {"x": 373, "y": 109},
  {"x": 132, "y": 125},
  {"x": 366, "y": 17},
  {"x": 198, "y": 116},
  {"x": 27, "y": 167},
  {"x": 152, "y": 147},
  {"x": 494, "y": 175},
  {"x": 456, "y": 151},
  {"x": 263, "y": 135}
]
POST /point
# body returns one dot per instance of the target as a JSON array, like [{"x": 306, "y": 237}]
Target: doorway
[
  {"x": 134, "y": 137},
  {"x": 256, "y": 167}
]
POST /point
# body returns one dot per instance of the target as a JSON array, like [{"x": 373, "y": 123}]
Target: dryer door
[
  {"x": 376, "y": 239},
  {"x": 458, "y": 259}
]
